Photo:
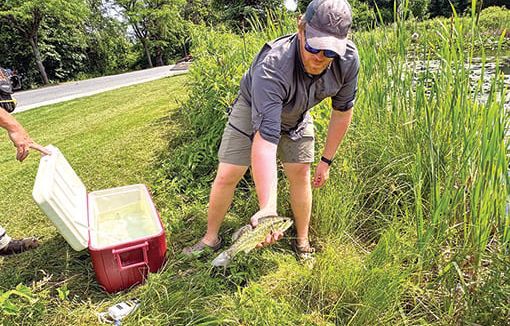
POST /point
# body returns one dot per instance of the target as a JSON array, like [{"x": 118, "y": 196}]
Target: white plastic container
[{"x": 120, "y": 215}]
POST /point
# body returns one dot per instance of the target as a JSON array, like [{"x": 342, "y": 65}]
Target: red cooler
[{"x": 120, "y": 226}]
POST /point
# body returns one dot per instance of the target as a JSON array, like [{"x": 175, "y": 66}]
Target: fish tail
[{"x": 221, "y": 260}]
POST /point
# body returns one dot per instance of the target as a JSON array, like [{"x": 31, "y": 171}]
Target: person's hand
[
  {"x": 24, "y": 143},
  {"x": 321, "y": 174},
  {"x": 271, "y": 238}
]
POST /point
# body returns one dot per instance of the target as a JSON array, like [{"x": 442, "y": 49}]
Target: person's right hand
[
  {"x": 271, "y": 238},
  {"x": 24, "y": 143}
]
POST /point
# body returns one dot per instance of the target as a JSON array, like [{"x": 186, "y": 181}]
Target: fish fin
[
  {"x": 221, "y": 260},
  {"x": 240, "y": 232}
]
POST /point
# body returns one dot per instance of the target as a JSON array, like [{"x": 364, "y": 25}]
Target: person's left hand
[
  {"x": 321, "y": 174},
  {"x": 271, "y": 238}
]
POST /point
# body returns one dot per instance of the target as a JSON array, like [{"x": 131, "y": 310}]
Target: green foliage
[
  {"x": 86, "y": 42},
  {"x": 108, "y": 48},
  {"x": 495, "y": 19},
  {"x": 32, "y": 19},
  {"x": 63, "y": 292},
  {"x": 200, "y": 12},
  {"x": 362, "y": 14},
  {"x": 237, "y": 13},
  {"x": 71, "y": 45},
  {"x": 17, "y": 55},
  {"x": 12, "y": 301},
  {"x": 420, "y": 9},
  {"x": 159, "y": 26},
  {"x": 63, "y": 49}
]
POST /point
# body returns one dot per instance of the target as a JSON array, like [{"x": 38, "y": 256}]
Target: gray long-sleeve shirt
[{"x": 281, "y": 93}]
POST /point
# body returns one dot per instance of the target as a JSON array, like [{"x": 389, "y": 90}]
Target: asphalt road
[{"x": 31, "y": 99}]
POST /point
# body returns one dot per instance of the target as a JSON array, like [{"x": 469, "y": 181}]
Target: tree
[
  {"x": 108, "y": 49},
  {"x": 166, "y": 26},
  {"x": 136, "y": 13},
  {"x": 157, "y": 24},
  {"x": 27, "y": 17}
]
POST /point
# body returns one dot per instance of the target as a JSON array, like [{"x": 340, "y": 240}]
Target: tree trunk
[
  {"x": 159, "y": 57},
  {"x": 37, "y": 54},
  {"x": 147, "y": 53}
]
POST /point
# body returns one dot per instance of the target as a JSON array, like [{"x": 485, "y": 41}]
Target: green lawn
[{"x": 111, "y": 139}]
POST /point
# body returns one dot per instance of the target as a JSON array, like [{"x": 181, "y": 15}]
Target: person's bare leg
[
  {"x": 298, "y": 175},
  {"x": 222, "y": 192}
]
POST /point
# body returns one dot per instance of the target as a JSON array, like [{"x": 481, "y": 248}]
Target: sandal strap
[
  {"x": 306, "y": 248},
  {"x": 201, "y": 246},
  {"x": 303, "y": 248}
]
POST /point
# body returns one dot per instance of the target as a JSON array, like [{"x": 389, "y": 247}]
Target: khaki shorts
[{"x": 236, "y": 142}]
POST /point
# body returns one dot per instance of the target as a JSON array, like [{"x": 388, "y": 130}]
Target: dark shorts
[{"x": 236, "y": 142}]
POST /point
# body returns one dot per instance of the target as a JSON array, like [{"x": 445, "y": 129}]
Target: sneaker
[
  {"x": 18, "y": 246},
  {"x": 200, "y": 247}
]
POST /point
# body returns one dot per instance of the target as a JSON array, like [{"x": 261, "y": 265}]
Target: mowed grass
[{"x": 111, "y": 139}]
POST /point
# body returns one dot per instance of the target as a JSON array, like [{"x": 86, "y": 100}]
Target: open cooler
[{"x": 120, "y": 226}]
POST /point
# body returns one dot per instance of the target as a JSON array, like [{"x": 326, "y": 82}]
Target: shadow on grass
[{"x": 50, "y": 266}]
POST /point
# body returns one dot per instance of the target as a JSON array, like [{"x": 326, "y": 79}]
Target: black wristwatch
[{"x": 325, "y": 160}]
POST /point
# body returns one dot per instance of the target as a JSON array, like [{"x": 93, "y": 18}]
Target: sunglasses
[{"x": 327, "y": 53}]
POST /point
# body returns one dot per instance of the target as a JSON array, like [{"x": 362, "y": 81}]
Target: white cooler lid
[{"x": 62, "y": 196}]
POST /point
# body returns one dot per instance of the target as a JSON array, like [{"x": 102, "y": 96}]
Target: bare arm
[
  {"x": 263, "y": 158},
  {"x": 338, "y": 125},
  {"x": 18, "y": 136}
]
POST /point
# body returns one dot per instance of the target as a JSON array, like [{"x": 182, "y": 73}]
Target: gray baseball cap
[{"x": 327, "y": 24}]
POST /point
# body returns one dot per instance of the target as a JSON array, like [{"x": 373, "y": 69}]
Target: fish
[{"x": 247, "y": 237}]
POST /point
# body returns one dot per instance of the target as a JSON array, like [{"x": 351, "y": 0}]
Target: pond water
[
  {"x": 505, "y": 68},
  {"x": 478, "y": 69}
]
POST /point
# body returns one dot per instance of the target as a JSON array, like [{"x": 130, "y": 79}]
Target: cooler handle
[{"x": 116, "y": 253}]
